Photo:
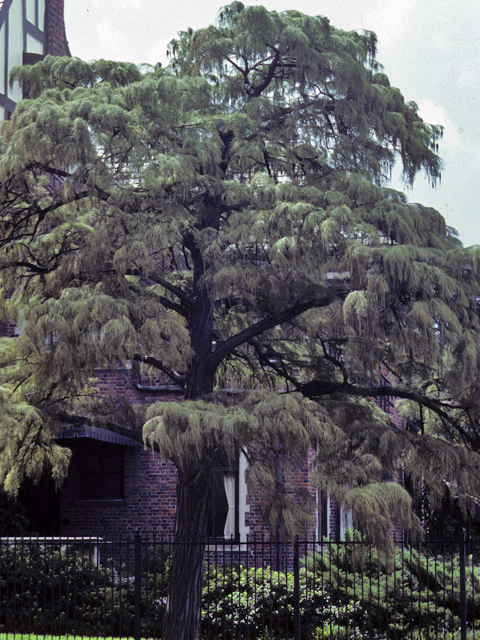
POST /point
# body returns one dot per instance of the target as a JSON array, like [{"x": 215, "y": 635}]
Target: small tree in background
[{"x": 226, "y": 221}]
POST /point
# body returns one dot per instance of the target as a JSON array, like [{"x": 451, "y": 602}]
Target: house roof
[{"x": 97, "y": 433}]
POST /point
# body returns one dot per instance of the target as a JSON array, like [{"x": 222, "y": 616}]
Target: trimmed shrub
[{"x": 347, "y": 592}]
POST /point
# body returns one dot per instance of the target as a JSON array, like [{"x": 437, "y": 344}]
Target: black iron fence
[{"x": 260, "y": 589}]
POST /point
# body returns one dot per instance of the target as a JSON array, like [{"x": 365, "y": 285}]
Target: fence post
[
  {"x": 138, "y": 586},
  {"x": 463, "y": 589},
  {"x": 296, "y": 590}
]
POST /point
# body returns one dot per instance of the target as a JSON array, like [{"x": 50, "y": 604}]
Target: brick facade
[
  {"x": 149, "y": 498},
  {"x": 57, "y": 44},
  {"x": 148, "y": 504},
  {"x": 136, "y": 386},
  {"x": 149, "y": 495}
]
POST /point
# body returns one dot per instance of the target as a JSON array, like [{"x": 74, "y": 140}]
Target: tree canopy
[{"x": 228, "y": 221}]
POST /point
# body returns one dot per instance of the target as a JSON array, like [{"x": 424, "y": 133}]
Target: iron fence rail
[{"x": 260, "y": 589}]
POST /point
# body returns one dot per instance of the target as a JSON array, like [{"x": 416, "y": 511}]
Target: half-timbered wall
[{"x": 29, "y": 30}]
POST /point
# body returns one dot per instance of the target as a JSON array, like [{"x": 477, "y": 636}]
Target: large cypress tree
[{"x": 228, "y": 221}]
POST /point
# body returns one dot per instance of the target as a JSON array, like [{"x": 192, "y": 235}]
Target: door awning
[{"x": 97, "y": 433}]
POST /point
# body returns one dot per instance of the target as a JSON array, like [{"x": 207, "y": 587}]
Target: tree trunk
[
  {"x": 183, "y": 616},
  {"x": 184, "y": 609}
]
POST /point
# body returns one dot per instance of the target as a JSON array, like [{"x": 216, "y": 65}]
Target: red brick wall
[
  {"x": 302, "y": 477},
  {"x": 57, "y": 44},
  {"x": 126, "y": 383},
  {"x": 150, "y": 482},
  {"x": 148, "y": 505}
]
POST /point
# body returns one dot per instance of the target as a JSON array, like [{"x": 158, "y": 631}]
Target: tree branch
[
  {"x": 224, "y": 349},
  {"x": 271, "y": 360},
  {"x": 173, "y": 306},
  {"x": 155, "y": 362},
  {"x": 183, "y": 295},
  {"x": 28, "y": 265},
  {"x": 318, "y": 388},
  {"x": 31, "y": 212},
  {"x": 101, "y": 193},
  {"x": 335, "y": 361},
  {"x": 255, "y": 92}
]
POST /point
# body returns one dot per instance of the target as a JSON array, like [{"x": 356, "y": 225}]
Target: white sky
[{"x": 430, "y": 50}]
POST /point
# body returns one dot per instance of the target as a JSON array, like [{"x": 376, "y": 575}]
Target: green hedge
[
  {"x": 45, "y": 589},
  {"x": 346, "y": 593},
  {"x": 415, "y": 592}
]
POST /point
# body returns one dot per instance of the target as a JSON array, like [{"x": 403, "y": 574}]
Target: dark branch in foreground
[
  {"x": 183, "y": 295},
  {"x": 155, "y": 362},
  {"x": 226, "y": 348}
]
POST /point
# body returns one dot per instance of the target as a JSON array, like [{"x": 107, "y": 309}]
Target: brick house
[{"x": 115, "y": 485}]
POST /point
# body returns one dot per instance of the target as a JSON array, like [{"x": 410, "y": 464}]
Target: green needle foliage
[{"x": 227, "y": 220}]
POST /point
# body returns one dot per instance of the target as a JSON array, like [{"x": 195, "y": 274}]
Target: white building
[{"x": 29, "y": 30}]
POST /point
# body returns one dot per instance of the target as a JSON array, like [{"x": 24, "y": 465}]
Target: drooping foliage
[{"x": 228, "y": 221}]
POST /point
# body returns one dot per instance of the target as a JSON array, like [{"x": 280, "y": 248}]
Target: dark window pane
[
  {"x": 101, "y": 473},
  {"x": 217, "y": 509},
  {"x": 323, "y": 514}
]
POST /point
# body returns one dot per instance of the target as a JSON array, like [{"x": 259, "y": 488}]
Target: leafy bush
[
  {"x": 45, "y": 588},
  {"x": 259, "y": 603},
  {"x": 415, "y": 592},
  {"x": 346, "y": 592}
]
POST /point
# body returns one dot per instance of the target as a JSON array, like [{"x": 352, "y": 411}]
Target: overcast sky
[{"x": 430, "y": 50}]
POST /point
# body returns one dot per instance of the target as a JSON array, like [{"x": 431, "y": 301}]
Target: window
[
  {"x": 101, "y": 473},
  {"x": 323, "y": 515},
  {"x": 344, "y": 521},
  {"x": 332, "y": 521},
  {"x": 30, "y": 58},
  {"x": 385, "y": 402},
  {"x": 222, "y": 509}
]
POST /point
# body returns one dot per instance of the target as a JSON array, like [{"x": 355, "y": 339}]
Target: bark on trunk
[
  {"x": 184, "y": 608},
  {"x": 183, "y": 616}
]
